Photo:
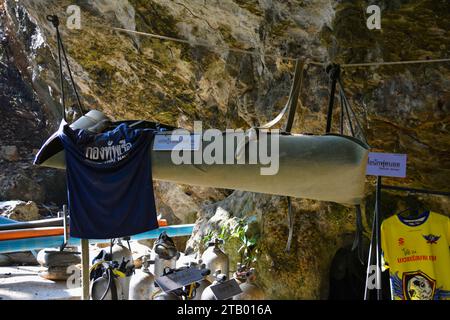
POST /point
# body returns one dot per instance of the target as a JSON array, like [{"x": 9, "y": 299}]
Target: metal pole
[
  {"x": 65, "y": 224},
  {"x": 85, "y": 267},
  {"x": 66, "y": 231},
  {"x": 377, "y": 238},
  {"x": 413, "y": 190},
  {"x": 370, "y": 258}
]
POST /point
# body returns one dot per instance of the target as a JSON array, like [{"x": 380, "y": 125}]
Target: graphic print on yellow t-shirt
[{"x": 417, "y": 254}]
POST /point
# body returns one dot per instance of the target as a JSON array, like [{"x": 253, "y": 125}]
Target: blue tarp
[
  {"x": 57, "y": 241},
  {"x": 4, "y": 220}
]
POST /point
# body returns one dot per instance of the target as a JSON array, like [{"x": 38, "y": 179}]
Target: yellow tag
[{"x": 119, "y": 273}]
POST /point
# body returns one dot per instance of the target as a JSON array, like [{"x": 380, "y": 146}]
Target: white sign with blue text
[
  {"x": 386, "y": 164},
  {"x": 168, "y": 142}
]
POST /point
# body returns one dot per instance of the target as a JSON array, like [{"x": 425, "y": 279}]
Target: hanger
[{"x": 412, "y": 213}]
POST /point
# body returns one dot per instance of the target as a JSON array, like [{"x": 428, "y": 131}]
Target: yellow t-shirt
[{"x": 417, "y": 254}]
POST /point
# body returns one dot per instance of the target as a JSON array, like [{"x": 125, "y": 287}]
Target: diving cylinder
[
  {"x": 93, "y": 120},
  {"x": 159, "y": 294},
  {"x": 207, "y": 293},
  {"x": 215, "y": 259},
  {"x": 101, "y": 286},
  {"x": 142, "y": 283},
  {"x": 161, "y": 264},
  {"x": 119, "y": 253},
  {"x": 202, "y": 284},
  {"x": 166, "y": 296},
  {"x": 249, "y": 289}
]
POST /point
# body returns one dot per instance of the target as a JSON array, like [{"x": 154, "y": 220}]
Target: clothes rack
[{"x": 376, "y": 227}]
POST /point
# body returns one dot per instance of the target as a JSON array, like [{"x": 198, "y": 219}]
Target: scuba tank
[
  {"x": 165, "y": 258},
  {"x": 165, "y": 254},
  {"x": 160, "y": 264},
  {"x": 219, "y": 277},
  {"x": 249, "y": 290},
  {"x": 159, "y": 294},
  {"x": 123, "y": 254},
  {"x": 204, "y": 283},
  {"x": 142, "y": 283},
  {"x": 166, "y": 296},
  {"x": 215, "y": 259},
  {"x": 191, "y": 291},
  {"x": 111, "y": 272}
]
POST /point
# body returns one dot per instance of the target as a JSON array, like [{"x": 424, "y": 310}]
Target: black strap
[
  {"x": 341, "y": 120},
  {"x": 349, "y": 108},
  {"x": 112, "y": 284},
  {"x": 347, "y": 111},
  {"x": 55, "y": 21},
  {"x": 334, "y": 71},
  {"x": 358, "y": 241},
  {"x": 290, "y": 223}
]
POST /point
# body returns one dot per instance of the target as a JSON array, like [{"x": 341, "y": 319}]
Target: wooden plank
[{"x": 85, "y": 267}]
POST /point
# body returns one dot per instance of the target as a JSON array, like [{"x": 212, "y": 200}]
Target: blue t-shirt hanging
[{"x": 109, "y": 182}]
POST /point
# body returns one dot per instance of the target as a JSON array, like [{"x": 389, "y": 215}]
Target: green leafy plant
[
  {"x": 247, "y": 250},
  {"x": 247, "y": 245},
  {"x": 208, "y": 238}
]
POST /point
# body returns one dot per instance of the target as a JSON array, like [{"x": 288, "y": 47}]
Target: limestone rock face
[
  {"x": 9, "y": 153},
  {"x": 320, "y": 228},
  {"x": 402, "y": 109},
  {"x": 19, "y": 210},
  {"x": 25, "y": 120}
]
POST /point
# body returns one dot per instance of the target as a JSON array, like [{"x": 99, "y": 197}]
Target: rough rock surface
[
  {"x": 25, "y": 122},
  {"x": 402, "y": 109},
  {"x": 56, "y": 258},
  {"x": 17, "y": 258},
  {"x": 19, "y": 210}
]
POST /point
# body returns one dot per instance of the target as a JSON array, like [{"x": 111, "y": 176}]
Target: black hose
[{"x": 108, "y": 272}]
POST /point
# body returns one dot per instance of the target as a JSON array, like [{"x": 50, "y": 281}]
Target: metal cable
[{"x": 317, "y": 63}]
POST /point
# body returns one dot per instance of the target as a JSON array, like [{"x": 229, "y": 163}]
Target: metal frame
[{"x": 376, "y": 233}]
